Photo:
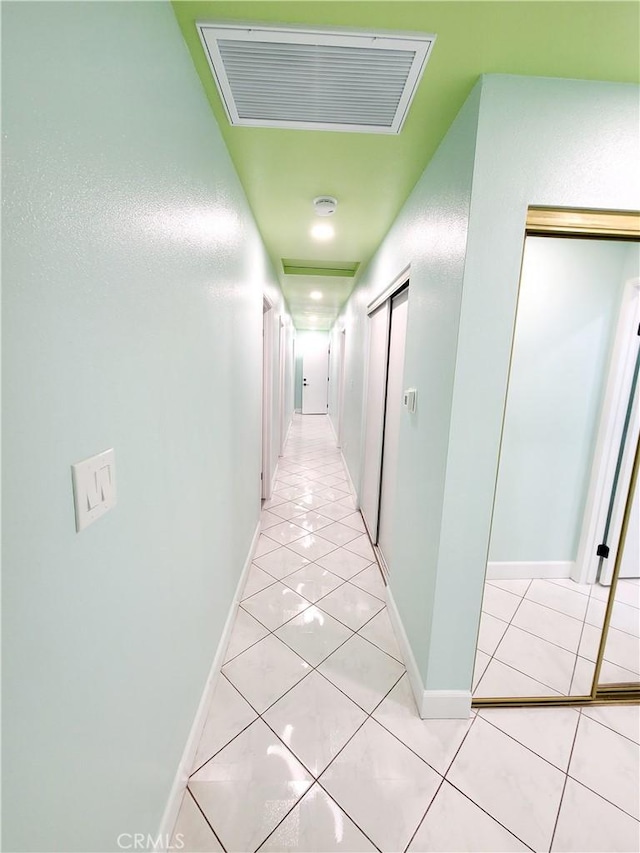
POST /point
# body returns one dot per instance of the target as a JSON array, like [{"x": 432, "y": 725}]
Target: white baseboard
[
  {"x": 344, "y": 462},
  {"x": 526, "y": 570},
  {"x": 333, "y": 430},
  {"x": 446, "y": 705},
  {"x": 286, "y": 437},
  {"x": 431, "y": 704},
  {"x": 415, "y": 679},
  {"x": 188, "y": 756},
  {"x": 349, "y": 480},
  {"x": 274, "y": 478}
]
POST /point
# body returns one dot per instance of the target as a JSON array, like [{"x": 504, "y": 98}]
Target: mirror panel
[{"x": 575, "y": 350}]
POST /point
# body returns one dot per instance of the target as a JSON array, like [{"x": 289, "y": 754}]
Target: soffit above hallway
[{"x": 283, "y": 170}]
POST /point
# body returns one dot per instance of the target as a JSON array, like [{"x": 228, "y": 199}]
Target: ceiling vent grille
[{"x": 315, "y": 79}]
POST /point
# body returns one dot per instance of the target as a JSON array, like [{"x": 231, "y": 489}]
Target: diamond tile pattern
[
  {"x": 542, "y": 637},
  {"x": 313, "y": 742}
]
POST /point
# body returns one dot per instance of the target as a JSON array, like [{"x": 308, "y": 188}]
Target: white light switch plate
[
  {"x": 94, "y": 487},
  {"x": 409, "y": 399}
]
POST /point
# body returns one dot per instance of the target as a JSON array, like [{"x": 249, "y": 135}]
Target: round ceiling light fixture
[
  {"x": 325, "y": 205},
  {"x": 315, "y": 294},
  {"x": 322, "y": 231}
]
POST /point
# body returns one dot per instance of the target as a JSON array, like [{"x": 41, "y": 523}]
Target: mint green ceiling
[{"x": 372, "y": 175}]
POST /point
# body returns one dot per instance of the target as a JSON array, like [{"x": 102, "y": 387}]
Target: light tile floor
[
  {"x": 541, "y": 637},
  {"x": 313, "y": 742}
]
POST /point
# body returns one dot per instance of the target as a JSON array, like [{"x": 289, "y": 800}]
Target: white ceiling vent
[{"x": 315, "y": 79}]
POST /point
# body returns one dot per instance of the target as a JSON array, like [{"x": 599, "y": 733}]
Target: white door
[
  {"x": 315, "y": 381},
  {"x": 393, "y": 415},
  {"x": 343, "y": 342},
  {"x": 374, "y": 416},
  {"x": 630, "y": 564}
]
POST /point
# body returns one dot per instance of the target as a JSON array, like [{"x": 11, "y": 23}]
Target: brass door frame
[{"x": 596, "y": 225}]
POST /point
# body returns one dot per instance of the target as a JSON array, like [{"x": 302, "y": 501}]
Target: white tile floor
[
  {"x": 541, "y": 637},
  {"x": 313, "y": 742}
]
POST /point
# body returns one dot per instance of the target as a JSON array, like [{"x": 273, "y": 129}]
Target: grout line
[
  {"x": 444, "y": 779},
  {"x": 467, "y": 796},
  {"x": 537, "y": 636},
  {"x": 493, "y": 817},
  {"x": 606, "y": 799},
  {"x": 189, "y": 793},
  {"x": 296, "y": 803},
  {"x": 605, "y": 725},
  {"x": 310, "y": 604},
  {"x": 576, "y": 654},
  {"x": 566, "y": 778},
  {"x": 492, "y": 656},
  {"x": 530, "y": 749},
  {"x": 527, "y": 675},
  {"x": 369, "y": 716},
  {"x": 421, "y": 821}
]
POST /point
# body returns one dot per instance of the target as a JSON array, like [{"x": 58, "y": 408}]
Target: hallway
[{"x": 313, "y": 743}]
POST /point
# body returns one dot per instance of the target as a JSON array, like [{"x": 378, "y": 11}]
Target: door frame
[
  {"x": 267, "y": 395},
  {"x": 610, "y": 432},
  {"x": 401, "y": 290},
  {"x": 282, "y": 361},
  {"x": 399, "y": 283}
]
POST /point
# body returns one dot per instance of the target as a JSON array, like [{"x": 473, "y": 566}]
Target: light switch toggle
[
  {"x": 409, "y": 399},
  {"x": 94, "y": 487}
]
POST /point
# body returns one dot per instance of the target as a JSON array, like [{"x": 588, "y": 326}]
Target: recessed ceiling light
[
  {"x": 315, "y": 294},
  {"x": 322, "y": 231}
]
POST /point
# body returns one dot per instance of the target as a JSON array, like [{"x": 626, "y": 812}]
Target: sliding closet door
[
  {"x": 392, "y": 421},
  {"x": 374, "y": 416}
]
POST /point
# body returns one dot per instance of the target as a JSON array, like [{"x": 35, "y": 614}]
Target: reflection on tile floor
[
  {"x": 541, "y": 637},
  {"x": 313, "y": 743}
]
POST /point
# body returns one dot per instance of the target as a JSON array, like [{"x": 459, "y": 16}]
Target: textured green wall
[
  {"x": 564, "y": 143},
  {"x": 517, "y": 141},
  {"x": 133, "y": 276},
  {"x": 430, "y": 235}
]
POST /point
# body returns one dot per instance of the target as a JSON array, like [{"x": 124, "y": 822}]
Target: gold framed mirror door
[{"x": 560, "y": 617}]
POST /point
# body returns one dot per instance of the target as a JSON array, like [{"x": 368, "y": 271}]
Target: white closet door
[
  {"x": 392, "y": 421},
  {"x": 374, "y": 417}
]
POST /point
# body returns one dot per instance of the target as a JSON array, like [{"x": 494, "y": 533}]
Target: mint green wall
[
  {"x": 430, "y": 234},
  {"x": 133, "y": 276},
  {"x": 570, "y": 292},
  {"x": 565, "y": 143},
  {"x": 517, "y": 141}
]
